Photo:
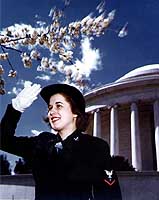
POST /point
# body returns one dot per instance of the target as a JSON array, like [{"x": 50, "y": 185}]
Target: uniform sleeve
[
  {"x": 106, "y": 186},
  {"x": 20, "y": 146}
]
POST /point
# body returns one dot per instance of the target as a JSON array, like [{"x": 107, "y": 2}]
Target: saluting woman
[{"x": 68, "y": 165}]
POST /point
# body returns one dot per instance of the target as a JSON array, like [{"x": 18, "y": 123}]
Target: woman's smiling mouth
[{"x": 54, "y": 119}]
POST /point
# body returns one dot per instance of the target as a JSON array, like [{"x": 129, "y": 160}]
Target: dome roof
[{"x": 141, "y": 71}]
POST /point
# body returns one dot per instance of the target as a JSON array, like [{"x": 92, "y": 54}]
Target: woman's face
[{"x": 60, "y": 115}]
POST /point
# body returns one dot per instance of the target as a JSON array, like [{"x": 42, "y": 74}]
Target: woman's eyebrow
[{"x": 57, "y": 102}]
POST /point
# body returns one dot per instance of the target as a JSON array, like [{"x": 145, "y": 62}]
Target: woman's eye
[
  {"x": 55, "y": 107},
  {"x": 59, "y": 106}
]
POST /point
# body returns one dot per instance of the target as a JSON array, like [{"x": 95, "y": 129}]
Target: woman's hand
[{"x": 26, "y": 97}]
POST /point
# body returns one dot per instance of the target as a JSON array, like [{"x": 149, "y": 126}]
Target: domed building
[{"x": 126, "y": 114}]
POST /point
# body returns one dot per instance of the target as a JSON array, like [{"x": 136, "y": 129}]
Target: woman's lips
[{"x": 54, "y": 119}]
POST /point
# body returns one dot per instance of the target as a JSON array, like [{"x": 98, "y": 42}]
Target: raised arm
[{"x": 9, "y": 142}]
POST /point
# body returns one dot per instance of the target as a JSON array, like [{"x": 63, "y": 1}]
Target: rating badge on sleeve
[{"x": 109, "y": 179}]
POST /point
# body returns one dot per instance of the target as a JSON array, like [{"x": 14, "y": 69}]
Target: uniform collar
[{"x": 72, "y": 137}]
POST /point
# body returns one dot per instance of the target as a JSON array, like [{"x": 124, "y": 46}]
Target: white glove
[{"x": 26, "y": 97}]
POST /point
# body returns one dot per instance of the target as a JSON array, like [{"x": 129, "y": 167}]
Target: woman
[{"x": 68, "y": 165}]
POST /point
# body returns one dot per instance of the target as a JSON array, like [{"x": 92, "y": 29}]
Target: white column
[
  {"x": 97, "y": 124},
  {"x": 114, "y": 132},
  {"x": 156, "y": 121},
  {"x": 135, "y": 138}
]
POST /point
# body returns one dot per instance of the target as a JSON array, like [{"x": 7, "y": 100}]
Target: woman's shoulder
[{"x": 94, "y": 147}]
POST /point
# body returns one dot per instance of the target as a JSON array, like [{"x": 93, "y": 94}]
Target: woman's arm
[
  {"x": 107, "y": 184},
  {"x": 8, "y": 125},
  {"x": 9, "y": 142},
  {"x": 21, "y": 146}
]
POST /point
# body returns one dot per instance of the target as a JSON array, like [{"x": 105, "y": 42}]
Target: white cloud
[
  {"x": 79, "y": 73},
  {"x": 35, "y": 132},
  {"x": 91, "y": 60},
  {"x": 43, "y": 77}
]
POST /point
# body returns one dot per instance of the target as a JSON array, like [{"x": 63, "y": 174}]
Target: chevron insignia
[
  {"x": 109, "y": 179},
  {"x": 109, "y": 183}
]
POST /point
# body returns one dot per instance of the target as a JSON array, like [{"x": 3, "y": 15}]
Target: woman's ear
[{"x": 75, "y": 115}]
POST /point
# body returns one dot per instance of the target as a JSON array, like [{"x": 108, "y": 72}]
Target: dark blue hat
[{"x": 69, "y": 90}]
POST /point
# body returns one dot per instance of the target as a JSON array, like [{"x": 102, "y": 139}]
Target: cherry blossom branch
[{"x": 60, "y": 41}]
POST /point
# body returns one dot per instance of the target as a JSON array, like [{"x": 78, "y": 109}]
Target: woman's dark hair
[{"x": 82, "y": 118}]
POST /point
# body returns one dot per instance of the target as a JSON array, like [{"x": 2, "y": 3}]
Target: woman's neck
[{"x": 64, "y": 134}]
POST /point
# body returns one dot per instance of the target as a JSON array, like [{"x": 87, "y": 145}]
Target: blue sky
[{"x": 118, "y": 55}]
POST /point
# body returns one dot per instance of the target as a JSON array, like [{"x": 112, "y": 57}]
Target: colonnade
[{"x": 135, "y": 132}]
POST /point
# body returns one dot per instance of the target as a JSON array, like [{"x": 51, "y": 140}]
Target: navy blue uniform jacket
[{"x": 79, "y": 169}]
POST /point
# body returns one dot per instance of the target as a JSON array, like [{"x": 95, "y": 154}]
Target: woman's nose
[{"x": 52, "y": 111}]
